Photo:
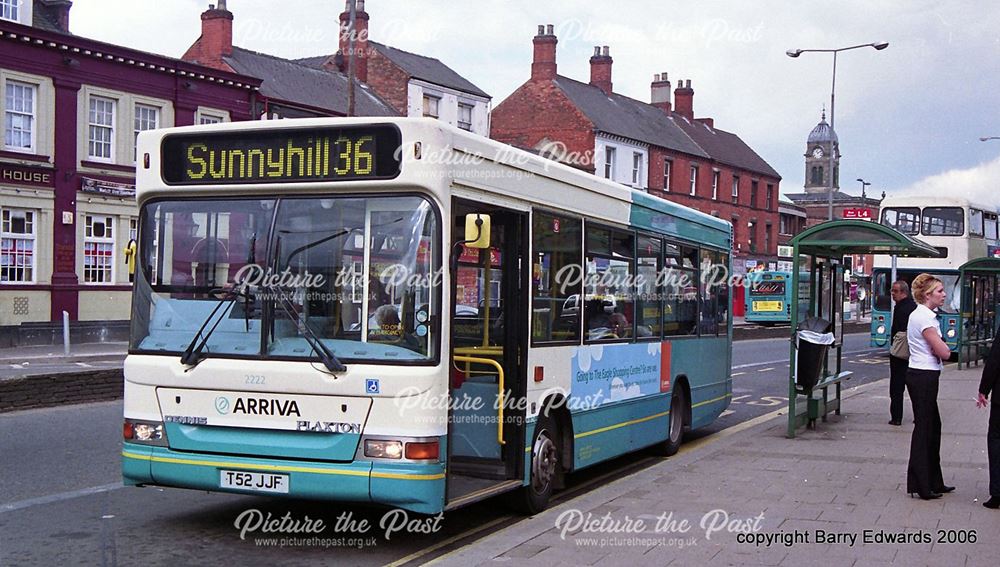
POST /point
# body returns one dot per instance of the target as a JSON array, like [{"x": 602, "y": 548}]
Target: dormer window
[{"x": 10, "y": 10}]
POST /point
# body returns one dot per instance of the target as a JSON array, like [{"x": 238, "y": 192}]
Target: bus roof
[{"x": 521, "y": 175}]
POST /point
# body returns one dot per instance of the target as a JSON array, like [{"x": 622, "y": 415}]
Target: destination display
[
  {"x": 768, "y": 288},
  {"x": 281, "y": 156}
]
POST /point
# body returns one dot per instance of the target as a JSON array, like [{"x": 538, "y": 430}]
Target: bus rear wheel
[{"x": 545, "y": 468}]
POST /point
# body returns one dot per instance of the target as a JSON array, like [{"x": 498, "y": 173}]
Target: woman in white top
[{"x": 923, "y": 332}]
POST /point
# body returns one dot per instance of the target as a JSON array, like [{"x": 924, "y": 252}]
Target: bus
[
  {"x": 768, "y": 297},
  {"x": 959, "y": 228},
  {"x": 389, "y": 311}
]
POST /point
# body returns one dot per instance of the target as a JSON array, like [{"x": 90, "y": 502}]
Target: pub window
[
  {"x": 18, "y": 233},
  {"x": 715, "y": 186},
  {"x": 609, "y": 162},
  {"x": 101, "y": 129},
  {"x": 770, "y": 197},
  {"x": 667, "y": 165},
  {"x": 146, "y": 118},
  {"x": 753, "y": 194},
  {"x": 19, "y": 116},
  {"x": 556, "y": 274},
  {"x": 694, "y": 179},
  {"x": 736, "y": 188},
  {"x": 98, "y": 250}
]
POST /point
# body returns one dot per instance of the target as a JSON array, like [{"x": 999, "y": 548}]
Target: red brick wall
[
  {"x": 723, "y": 207},
  {"x": 388, "y": 80},
  {"x": 538, "y": 110}
]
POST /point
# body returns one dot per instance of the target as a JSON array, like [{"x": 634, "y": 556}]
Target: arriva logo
[{"x": 222, "y": 405}]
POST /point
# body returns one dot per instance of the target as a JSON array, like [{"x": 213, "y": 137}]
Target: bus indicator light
[
  {"x": 539, "y": 373},
  {"x": 422, "y": 451}
]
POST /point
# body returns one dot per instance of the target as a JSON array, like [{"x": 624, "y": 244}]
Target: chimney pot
[
  {"x": 211, "y": 6},
  {"x": 543, "y": 64},
  {"x": 600, "y": 69},
  {"x": 541, "y": 29},
  {"x": 684, "y": 99},
  {"x": 550, "y": 30}
]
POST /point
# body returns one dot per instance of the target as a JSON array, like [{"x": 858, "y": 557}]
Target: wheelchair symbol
[{"x": 372, "y": 386}]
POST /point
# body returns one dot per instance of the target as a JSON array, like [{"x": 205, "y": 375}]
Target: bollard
[{"x": 66, "y": 333}]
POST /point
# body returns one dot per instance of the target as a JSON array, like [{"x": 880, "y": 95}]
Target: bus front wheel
[{"x": 544, "y": 467}]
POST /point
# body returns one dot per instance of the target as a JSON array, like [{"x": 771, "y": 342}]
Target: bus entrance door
[{"x": 488, "y": 348}]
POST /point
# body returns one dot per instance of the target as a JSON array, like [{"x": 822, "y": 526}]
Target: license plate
[{"x": 255, "y": 481}]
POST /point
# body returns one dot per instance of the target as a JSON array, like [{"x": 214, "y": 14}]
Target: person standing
[
  {"x": 923, "y": 332},
  {"x": 990, "y": 383},
  {"x": 897, "y": 366}
]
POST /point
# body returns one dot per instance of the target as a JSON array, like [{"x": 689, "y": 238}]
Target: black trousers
[
  {"x": 993, "y": 449},
  {"x": 923, "y": 475},
  {"x": 897, "y": 385}
]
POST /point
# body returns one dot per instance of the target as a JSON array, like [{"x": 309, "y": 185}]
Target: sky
[{"x": 909, "y": 117}]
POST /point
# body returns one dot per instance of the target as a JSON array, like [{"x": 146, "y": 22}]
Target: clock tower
[{"x": 821, "y": 143}]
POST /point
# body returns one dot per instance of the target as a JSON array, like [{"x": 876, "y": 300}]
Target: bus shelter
[
  {"x": 979, "y": 281},
  {"x": 822, "y": 291}
]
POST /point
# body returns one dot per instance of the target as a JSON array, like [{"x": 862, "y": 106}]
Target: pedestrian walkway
[
  {"x": 750, "y": 496},
  {"x": 54, "y": 353}
]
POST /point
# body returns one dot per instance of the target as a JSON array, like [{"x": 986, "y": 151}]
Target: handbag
[{"x": 900, "y": 346}]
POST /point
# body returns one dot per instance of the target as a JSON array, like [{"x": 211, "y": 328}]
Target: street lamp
[
  {"x": 988, "y": 138},
  {"x": 864, "y": 185},
  {"x": 795, "y": 53}
]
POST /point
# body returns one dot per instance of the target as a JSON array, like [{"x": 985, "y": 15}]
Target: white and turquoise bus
[
  {"x": 959, "y": 228},
  {"x": 399, "y": 312}
]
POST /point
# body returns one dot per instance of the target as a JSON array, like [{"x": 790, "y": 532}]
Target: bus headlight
[
  {"x": 144, "y": 432},
  {"x": 380, "y": 449},
  {"x": 951, "y": 333},
  {"x": 880, "y": 330}
]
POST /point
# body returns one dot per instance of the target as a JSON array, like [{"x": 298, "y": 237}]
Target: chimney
[
  {"x": 710, "y": 122},
  {"x": 684, "y": 99},
  {"x": 543, "y": 66},
  {"x": 216, "y": 39},
  {"x": 600, "y": 69},
  {"x": 660, "y": 92},
  {"x": 60, "y": 10},
  {"x": 360, "y": 35}
]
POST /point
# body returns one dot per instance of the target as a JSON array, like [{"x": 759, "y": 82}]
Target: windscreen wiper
[
  {"x": 193, "y": 353},
  {"x": 326, "y": 356}
]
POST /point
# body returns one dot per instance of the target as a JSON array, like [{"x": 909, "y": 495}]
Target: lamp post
[
  {"x": 864, "y": 185},
  {"x": 833, "y": 88},
  {"x": 988, "y": 138}
]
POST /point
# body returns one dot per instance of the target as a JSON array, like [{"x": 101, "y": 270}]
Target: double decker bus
[
  {"x": 959, "y": 228},
  {"x": 399, "y": 312}
]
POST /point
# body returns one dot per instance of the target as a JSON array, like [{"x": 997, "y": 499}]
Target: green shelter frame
[
  {"x": 818, "y": 252},
  {"x": 979, "y": 317}
]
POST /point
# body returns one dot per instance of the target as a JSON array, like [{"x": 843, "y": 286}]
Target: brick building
[
  {"x": 658, "y": 147},
  {"x": 72, "y": 110},
  {"x": 390, "y": 81}
]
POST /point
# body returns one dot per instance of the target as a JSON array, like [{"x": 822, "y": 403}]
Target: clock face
[{"x": 818, "y": 152}]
